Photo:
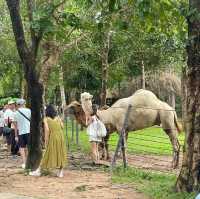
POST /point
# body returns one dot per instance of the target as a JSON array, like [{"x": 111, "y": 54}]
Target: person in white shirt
[
  {"x": 8, "y": 119},
  {"x": 1, "y": 122},
  {"x": 22, "y": 128}
]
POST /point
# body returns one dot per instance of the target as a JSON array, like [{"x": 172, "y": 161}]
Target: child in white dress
[{"x": 93, "y": 137}]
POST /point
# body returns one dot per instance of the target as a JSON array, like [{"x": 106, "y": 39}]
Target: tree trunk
[
  {"x": 183, "y": 96},
  {"x": 62, "y": 91},
  {"x": 105, "y": 66},
  {"x": 35, "y": 148},
  {"x": 172, "y": 99},
  {"x": 189, "y": 177},
  {"x": 143, "y": 76},
  {"x": 104, "y": 79},
  {"x": 28, "y": 56}
]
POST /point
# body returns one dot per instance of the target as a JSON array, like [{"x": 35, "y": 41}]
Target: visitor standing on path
[
  {"x": 93, "y": 138},
  {"x": 9, "y": 132},
  {"x": 22, "y": 129},
  {"x": 55, "y": 154},
  {"x": 1, "y": 121}
]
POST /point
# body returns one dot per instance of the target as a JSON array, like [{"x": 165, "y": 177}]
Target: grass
[
  {"x": 154, "y": 185},
  {"x": 148, "y": 141}
]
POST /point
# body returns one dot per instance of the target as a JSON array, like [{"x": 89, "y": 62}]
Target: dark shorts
[
  {"x": 24, "y": 140},
  {"x": 10, "y": 137},
  {"x": 1, "y": 131}
]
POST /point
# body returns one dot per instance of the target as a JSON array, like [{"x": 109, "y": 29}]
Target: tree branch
[
  {"x": 35, "y": 38},
  {"x": 14, "y": 9},
  {"x": 71, "y": 44},
  {"x": 30, "y": 6}
]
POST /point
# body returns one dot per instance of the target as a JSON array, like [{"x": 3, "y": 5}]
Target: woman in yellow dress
[{"x": 56, "y": 153}]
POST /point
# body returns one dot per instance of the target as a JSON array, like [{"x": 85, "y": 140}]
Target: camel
[
  {"x": 86, "y": 103},
  {"x": 147, "y": 110}
]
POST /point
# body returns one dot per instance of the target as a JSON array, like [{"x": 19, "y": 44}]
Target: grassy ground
[
  {"x": 149, "y": 141},
  {"x": 155, "y": 185}
]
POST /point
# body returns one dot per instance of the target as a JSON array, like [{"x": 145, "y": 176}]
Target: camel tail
[{"x": 178, "y": 126}]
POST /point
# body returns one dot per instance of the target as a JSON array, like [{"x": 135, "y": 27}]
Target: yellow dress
[{"x": 55, "y": 155}]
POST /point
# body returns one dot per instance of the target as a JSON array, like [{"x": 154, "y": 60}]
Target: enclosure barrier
[{"x": 147, "y": 154}]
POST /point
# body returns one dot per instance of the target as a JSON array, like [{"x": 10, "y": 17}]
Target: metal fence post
[{"x": 121, "y": 141}]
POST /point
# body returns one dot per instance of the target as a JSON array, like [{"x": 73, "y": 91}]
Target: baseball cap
[
  {"x": 11, "y": 102},
  {"x": 20, "y": 102}
]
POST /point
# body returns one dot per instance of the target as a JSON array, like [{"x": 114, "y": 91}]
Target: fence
[
  {"x": 149, "y": 151},
  {"x": 72, "y": 127}
]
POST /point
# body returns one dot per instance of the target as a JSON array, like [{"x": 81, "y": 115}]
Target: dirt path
[{"x": 76, "y": 184}]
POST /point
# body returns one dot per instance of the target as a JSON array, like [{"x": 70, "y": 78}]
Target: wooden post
[
  {"x": 121, "y": 141},
  {"x": 72, "y": 120},
  {"x": 77, "y": 133},
  {"x": 67, "y": 137}
]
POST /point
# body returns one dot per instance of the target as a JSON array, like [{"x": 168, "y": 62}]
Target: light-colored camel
[
  {"x": 147, "y": 110},
  {"x": 86, "y": 103}
]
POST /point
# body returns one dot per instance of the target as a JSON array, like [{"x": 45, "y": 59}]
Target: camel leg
[
  {"x": 104, "y": 148},
  {"x": 101, "y": 149},
  {"x": 176, "y": 147},
  {"x": 106, "y": 139}
]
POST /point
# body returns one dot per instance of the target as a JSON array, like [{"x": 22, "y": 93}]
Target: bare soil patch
[{"x": 77, "y": 183}]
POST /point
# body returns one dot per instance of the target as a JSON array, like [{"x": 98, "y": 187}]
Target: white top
[
  {"x": 1, "y": 119},
  {"x": 92, "y": 130},
  {"x": 23, "y": 125},
  {"x": 9, "y": 114}
]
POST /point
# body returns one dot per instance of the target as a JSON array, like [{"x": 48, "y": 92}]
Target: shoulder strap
[{"x": 24, "y": 115}]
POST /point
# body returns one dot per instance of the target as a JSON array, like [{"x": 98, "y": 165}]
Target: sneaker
[
  {"x": 60, "y": 174},
  {"x": 35, "y": 173},
  {"x": 23, "y": 166}
]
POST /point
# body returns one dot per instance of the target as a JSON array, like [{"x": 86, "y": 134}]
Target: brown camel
[{"x": 77, "y": 111}]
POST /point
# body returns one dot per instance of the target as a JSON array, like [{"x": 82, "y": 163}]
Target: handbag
[
  {"x": 101, "y": 129},
  {"x": 7, "y": 130}
]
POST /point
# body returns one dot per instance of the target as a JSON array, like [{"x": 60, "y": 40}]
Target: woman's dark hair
[
  {"x": 50, "y": 111},
  {"x": 94, "y": 108}
]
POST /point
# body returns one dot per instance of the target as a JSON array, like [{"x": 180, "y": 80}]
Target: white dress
[{"x": 92, "y": 131}]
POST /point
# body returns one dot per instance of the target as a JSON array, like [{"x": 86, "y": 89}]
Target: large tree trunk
[
  {"x": 28, "y": 56},
  {"x": 189, "y": 177},
  {"x": 35, "y": 148}
]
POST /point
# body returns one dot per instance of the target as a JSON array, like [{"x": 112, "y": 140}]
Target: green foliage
[{"x": 43, "y": 19}]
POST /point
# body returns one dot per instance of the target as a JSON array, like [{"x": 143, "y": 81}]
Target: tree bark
[
  {"x": 62, "y": 91},
  {"x": 105, "y": 65},
  {"x": 35, "y": 89},
  {"x": 143, "y": 75},
  {"x": 189, "y": 177}
]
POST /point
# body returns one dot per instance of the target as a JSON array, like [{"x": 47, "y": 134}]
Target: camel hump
[{"x": 145, "y": 93}]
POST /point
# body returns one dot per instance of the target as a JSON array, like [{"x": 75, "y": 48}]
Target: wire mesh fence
[{"x": 150, "y": 148}]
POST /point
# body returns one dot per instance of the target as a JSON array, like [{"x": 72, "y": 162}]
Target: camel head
[
  {"x": 86, "y": 103},
  {"x": 75, "y": 109}
]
